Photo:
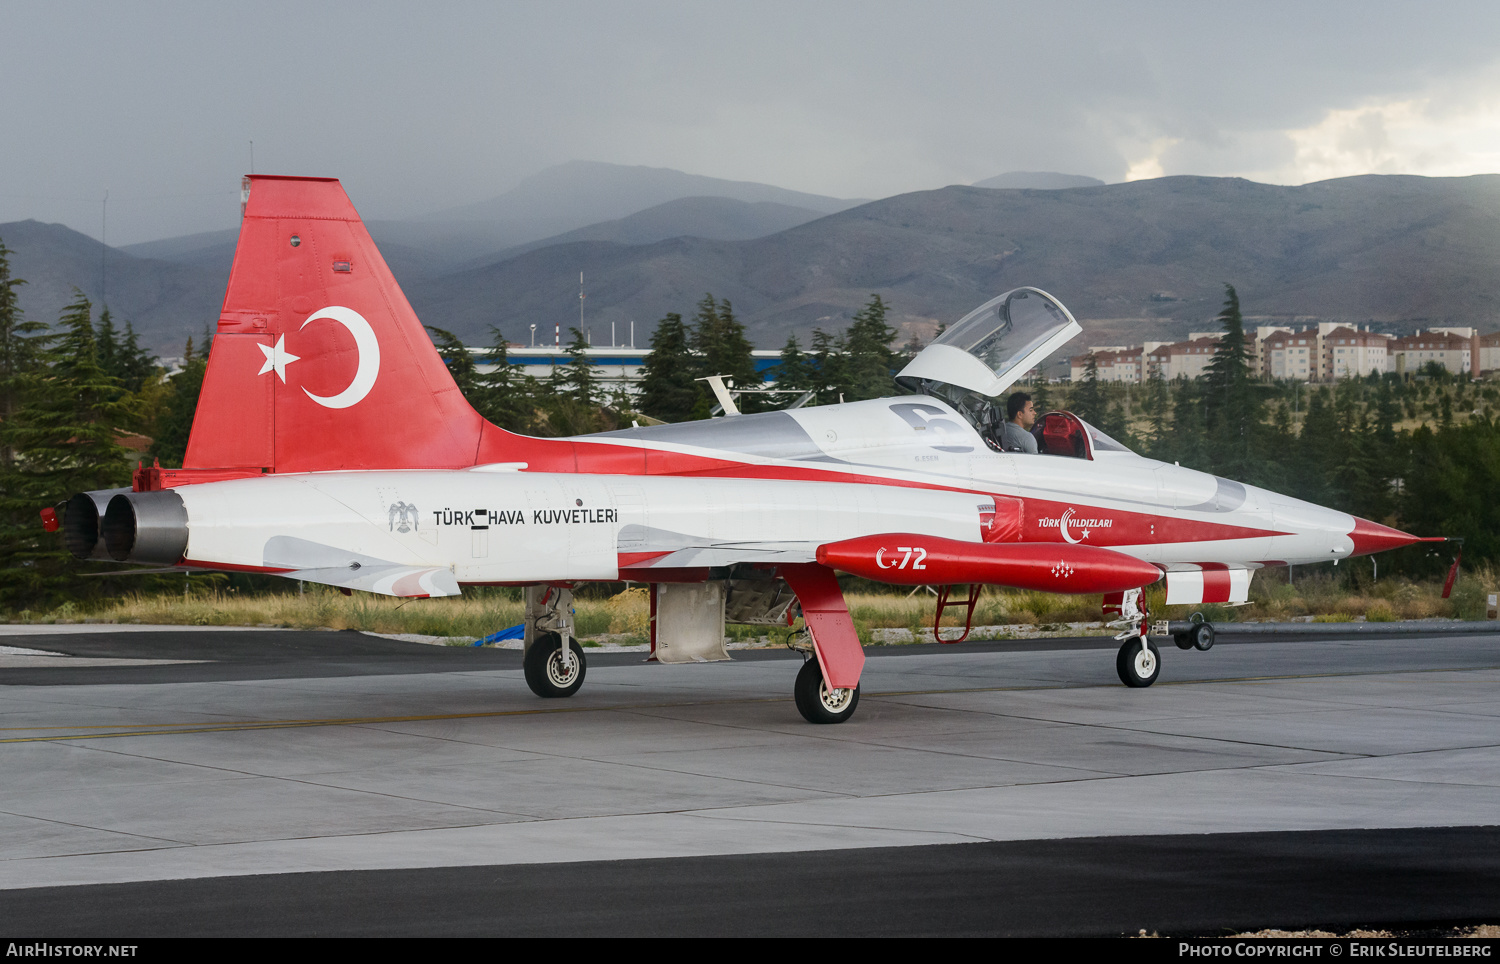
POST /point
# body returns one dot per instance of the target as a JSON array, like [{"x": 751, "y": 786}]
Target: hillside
[
  {"x": 1143, "y": 259},
  {"x": 1137, "y": 260},
  {"x": 166, "y": 301}
]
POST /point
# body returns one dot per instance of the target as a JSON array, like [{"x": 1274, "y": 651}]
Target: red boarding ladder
[{"x": 943, "y": 603}]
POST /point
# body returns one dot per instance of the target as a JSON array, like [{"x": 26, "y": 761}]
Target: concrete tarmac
[{"x": 287, "y": 760}]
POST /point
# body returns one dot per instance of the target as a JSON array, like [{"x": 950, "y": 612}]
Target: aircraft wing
[
  {"x": 665, "y": 549},
  {"x": 412, "y": 581},
  {"x": 332, "y": 566},
  {"x": 730, "y": 553}
]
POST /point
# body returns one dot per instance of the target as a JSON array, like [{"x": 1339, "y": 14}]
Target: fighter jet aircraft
[{"x": 331, "y": 445}]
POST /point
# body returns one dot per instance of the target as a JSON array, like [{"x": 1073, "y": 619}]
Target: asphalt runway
[{"x": 333, "y": 783}]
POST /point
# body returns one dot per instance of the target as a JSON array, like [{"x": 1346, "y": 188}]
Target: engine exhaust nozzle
[
  {"x": 146, "y": 527},
  {"x": 81, "y": 519}
]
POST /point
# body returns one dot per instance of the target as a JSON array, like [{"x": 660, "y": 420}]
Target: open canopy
[{"x": 993, "y": 345}]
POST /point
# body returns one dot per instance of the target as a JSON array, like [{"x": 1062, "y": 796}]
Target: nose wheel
[
  {"x": 1138, "y": 663},
  {"x": 817, "y": 702}
]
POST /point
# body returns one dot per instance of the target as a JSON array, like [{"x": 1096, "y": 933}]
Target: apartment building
[
  {"x": 1325, "y": 352},
  {"x": 1451, "y": 348}
]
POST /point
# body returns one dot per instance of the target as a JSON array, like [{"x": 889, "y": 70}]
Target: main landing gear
[
  {"x": 817, "y": 702},
  {"x": 552, "y": 671}
]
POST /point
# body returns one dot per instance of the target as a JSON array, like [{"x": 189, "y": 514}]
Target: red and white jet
[{"x": 331, "y": 445}]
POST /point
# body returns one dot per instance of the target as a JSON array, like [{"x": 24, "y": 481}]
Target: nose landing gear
[{"x": 1138, "y": 662}]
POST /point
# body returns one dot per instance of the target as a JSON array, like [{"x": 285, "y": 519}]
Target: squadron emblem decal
[{"x": 403, "y": 517}]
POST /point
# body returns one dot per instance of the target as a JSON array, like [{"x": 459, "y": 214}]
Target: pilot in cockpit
[{"x": 1020, "y": 415}]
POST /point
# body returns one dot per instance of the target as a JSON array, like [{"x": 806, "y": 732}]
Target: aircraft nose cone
[{"x": 1371, "y": 537}]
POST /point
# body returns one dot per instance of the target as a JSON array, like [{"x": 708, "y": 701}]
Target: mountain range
[{"x": 1145, "y": 259}]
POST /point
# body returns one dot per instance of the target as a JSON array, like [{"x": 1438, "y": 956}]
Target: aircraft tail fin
[{"x": 319, "y": 362}]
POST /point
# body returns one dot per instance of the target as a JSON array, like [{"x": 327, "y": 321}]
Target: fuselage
[{"x": 779, "y": 481}]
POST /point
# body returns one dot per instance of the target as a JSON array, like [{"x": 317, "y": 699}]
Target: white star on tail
[{"x": 277, "y": 359}]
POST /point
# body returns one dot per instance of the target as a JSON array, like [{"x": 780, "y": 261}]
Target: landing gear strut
[
  {"x": 1139, "y": 661},
  {"x": 552, "y": 669}
]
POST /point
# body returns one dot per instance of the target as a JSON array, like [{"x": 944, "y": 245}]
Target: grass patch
[{"x": 1321, "y": 595}]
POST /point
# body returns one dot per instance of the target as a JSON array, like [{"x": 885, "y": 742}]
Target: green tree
[
  {"x": 794, "y": 370},
  {"x": 65, "y": 437},
  {"x": 1089, "y": 400},
  {"x": 174, "y": 425},
  {"x": 668, "y": 391},
  {"x": 20, "y": 358},
  {"x": 22, "y": 377},
  {"x": 504, "y": 394},
  {"x": 721, "y": 348},
  {"x": 871, "y": 362},
  {"x": 457, "y": 359},
  {"x": 1232, "y": 404},
  {"x": 577, "y": 380},
  {"x": 830, "y": 363},
  {"x": 1156, "y": 404}
]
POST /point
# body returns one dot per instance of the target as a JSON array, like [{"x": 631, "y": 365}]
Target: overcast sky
[{"x": 418, "y": 108}]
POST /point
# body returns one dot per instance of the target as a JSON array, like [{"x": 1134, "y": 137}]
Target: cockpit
[{"x": 972, "y": 364}]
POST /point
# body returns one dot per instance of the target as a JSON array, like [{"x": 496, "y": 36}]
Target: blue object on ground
[{"x": 517, "y": 631}]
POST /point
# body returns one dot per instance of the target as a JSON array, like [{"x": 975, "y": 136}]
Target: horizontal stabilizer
[{"x": 909, "y": 559}]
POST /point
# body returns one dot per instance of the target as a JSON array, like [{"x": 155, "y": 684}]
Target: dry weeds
[{"x": 1321, "y": 596}]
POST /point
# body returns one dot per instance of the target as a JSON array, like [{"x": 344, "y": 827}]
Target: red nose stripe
[{"x": 1371, "y": 537}]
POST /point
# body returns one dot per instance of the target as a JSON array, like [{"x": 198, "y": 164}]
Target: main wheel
[
  {"x": 1138, "y": 663},
  {"x": 819, "y": 704},
  {"x": 548, "y": 673},
  {"x": 1202, "y": 637}
]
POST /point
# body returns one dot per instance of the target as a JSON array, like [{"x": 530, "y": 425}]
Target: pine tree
[
  {"x": 576, "y": 380},
  {"x": 1089, "y": 401},
  {"x": 20, "y": 358},
  {"x": 108, "y": 347},
  {"x": 872, "y": 363},
  {"x": 22, "y": 377},
  {"x": 830, "y": 362},
  {"x": 794, "y": 371},
  {"x": 457, "y": 359},
  {"x": 175, "y": 423},
  {"x": 504, "y": 394},
  {"x": 1232, "y": 405},
  {"x": 136, "y": 365},
  {"x": 1318, "y": 449},
  {"x": 1156, "y": 403},
  {"x": 667, "y": 390},
  {"x": 722, "y": 349},
  {"x": 65, "y": 437}
]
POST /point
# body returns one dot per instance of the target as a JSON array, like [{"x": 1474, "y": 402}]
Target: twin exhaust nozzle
[{"x": 126, "y": 526}]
